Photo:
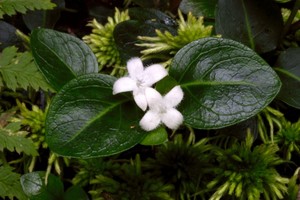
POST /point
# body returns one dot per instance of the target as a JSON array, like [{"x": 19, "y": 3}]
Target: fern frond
[
  {"x": 13, "y": 139},
  {"x": 18, "y": 70},
  {"x": 10, "y": 185},
  {"x": 11, "y": 7}
]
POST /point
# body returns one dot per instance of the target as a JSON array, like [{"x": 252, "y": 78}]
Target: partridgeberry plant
[
  {"x": 223, "y": 83},
  {"x": 161, "y": 109}
]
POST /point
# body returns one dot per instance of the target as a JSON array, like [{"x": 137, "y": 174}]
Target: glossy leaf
[
  {"x": 156, "y": 137},
  {"x": 288, "y": 64},
  {"x": 61, "y": 57},
  {"x": 224, "y": 82},
  {"x": 256, "y": 23},
  {"x": 34, "y": 186},
  {"x": 204, "y": 8},
  {"x": 148, "y": 14},
  {"x": 86, "y": 120}
]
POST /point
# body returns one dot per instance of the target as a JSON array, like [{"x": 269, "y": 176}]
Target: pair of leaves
[
  {"x": 34, "y": 187},
  {"x": 224, "y": 83},
  {"x": 18, "y": 70}
]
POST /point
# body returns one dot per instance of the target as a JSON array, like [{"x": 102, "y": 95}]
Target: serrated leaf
[
  {"x": 224, "y": 82},
  {"x": 10, "y": 184},
  {"x": 35, "y": 188},
  {"x": 12, "y": 139},
  {"x": 61, "y": 57},
  {"x": 256, "y": 23},
  {"x": 289, "y": 72},
  {"x": 86, "y": 120},
  {"x": 204, "y": 8},
  {"x": 10, "y": 7},
  {"x": 17, "y": 70}
]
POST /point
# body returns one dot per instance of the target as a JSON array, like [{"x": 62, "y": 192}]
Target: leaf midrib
[
  {"x": 213, "y": 83},
  {"x": 87, "y": 124}
]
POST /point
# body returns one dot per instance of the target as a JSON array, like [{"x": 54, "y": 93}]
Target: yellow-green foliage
[
  {"x": 11, "y": 7},
  {"x": 102, "y": 42},
  {"x": 188, "y": 30},
  {"x": 35, "y": 119},
  {"x": 288, "y": 138},
  {"x": 247, "y": 173}
]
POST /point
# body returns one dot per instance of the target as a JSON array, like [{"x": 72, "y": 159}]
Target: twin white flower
[{"x": 161, "y": 108}]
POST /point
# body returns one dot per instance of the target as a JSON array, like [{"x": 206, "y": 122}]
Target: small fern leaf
[
  {"x": 10, "y": 185},
  {"x": 12, "y": 139},
  {"x": 11, "y": 7},
  {"x": 18, "y": 70}
]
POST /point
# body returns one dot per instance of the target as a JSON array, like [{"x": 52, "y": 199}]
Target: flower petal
[
  {"x": 154, "y": 73},
  {"x": 124, "y": 84},
  {"x": 140, "y": 99},
  {"x": 172, "y": 118},
  {"x": 150, "y": 121},
  {"x": 173, "y": 97},
  {"x": 154, "y": 98},
  {"x": 135, "y": 68}
]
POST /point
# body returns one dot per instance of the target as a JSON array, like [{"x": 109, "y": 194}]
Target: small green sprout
[{"x": 102, "y": 42}]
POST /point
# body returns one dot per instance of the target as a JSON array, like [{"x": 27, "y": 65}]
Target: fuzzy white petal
[
  {"x": 153, "y": 74},
  {"x": 154, "y": 98},
  {"x": 172, "y": 118},
  {"x": 124, "y": 84},
  {"x": 150, "y": 121},
  {"x": 140, "y": 99},
  {"x": 135, "y": 68},
  {"x": 173, "y": 97}
]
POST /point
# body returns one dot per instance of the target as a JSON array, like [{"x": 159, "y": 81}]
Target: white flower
[
  {"x": 138, "y": 80},
  {"x": 162, "y": 109}
]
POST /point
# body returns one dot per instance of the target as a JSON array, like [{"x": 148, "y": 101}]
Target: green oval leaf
[
  {"x": 224, "y": 82},
  {"x": 289, "y": 73},
  {"x": 86, "y": 120},
  {"x": 34, "y": 186},
  {"x": 156, "y": 137},
  {"x": 61, "y": 57},
  {"x": 256, "y": 23}
]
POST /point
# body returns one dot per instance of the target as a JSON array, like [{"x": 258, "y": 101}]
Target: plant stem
[{"x": 290, "y": 19}]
